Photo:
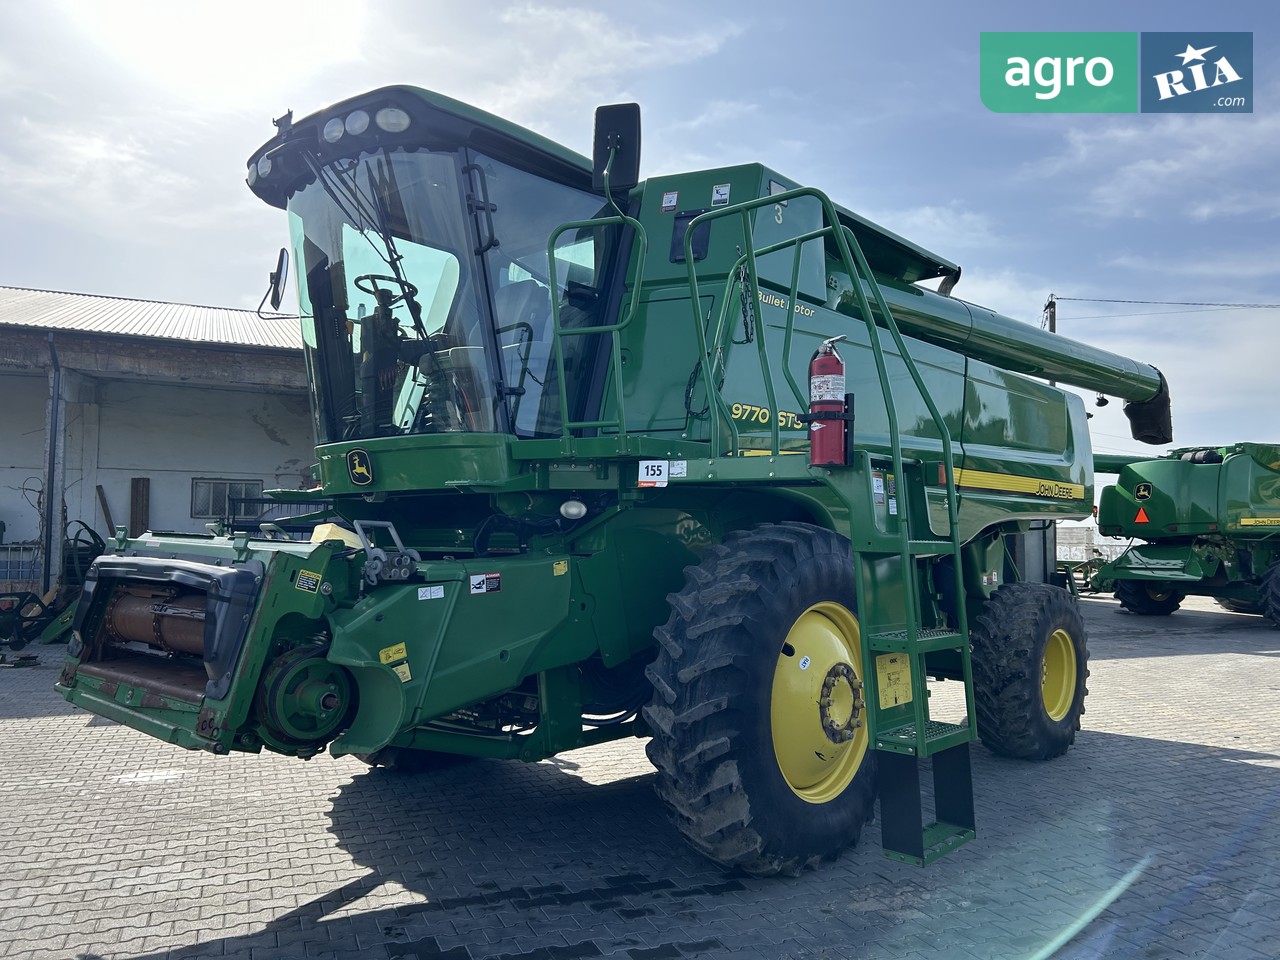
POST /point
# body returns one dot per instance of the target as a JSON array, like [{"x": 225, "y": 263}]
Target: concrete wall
[
  {"x": 23, "y": 401},
  {"x": 130, "y": 407},
  {"x": 1078, "y": 541},
  {"x": 171, "y": 434}
]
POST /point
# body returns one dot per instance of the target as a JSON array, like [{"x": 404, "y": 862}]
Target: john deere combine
[
  {"x": 696, "y": 458},
  {"x": 1210, "y": 521}
]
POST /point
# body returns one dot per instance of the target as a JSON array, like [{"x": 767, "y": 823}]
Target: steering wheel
[{"x": 407, "y": 289}]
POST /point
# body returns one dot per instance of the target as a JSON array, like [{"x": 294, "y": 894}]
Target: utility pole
[{"x": 1050, "y": 320}]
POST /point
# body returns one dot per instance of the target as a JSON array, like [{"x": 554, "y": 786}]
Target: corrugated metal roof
[{"x": 49, "y": 310}]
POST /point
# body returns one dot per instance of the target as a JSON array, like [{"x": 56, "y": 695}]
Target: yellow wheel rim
[
  {"x": 817, "y": 710},
  {"x": 1058, "y": 675}
]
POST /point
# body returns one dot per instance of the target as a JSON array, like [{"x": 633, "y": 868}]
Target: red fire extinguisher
[{"x": 828, "y": 414}]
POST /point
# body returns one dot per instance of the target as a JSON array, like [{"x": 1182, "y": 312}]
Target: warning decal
[
  {"x": 485, "y": 582},
  {"x": 397, "y": 652},
  {"x": 307, "y": 581},
  {"x": 893, "y": 679}
]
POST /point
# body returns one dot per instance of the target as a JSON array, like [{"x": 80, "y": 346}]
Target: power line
[
  {"x": 1175, "y": 303},
  {"x": 1149, "y": 313}
]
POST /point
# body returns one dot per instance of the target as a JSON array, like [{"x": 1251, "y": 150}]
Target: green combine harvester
[
  {"x": 1210, "y": 521},
  {"x": 696, "y": 458}
]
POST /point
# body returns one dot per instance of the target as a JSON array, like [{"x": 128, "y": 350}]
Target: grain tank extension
[
  {"x": 1209, "y": 519},
  {"x": 566, "y": 420}
]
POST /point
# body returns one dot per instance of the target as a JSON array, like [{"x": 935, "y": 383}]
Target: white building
[{"x": 154, "y": 413}]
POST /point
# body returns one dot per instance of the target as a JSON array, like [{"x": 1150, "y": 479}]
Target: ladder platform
[
  {"x": 939, "y": 839},
  {"x": 938, "y": 736},
  {"x": 932, "y": 547},
  {"x": 927, "y": 641}
]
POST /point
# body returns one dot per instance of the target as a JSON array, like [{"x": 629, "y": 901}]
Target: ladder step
[
  {"x": 933, "y": 547},
  {"x": 938, "y": 736},
  {"x": 902, "y": 829},
  {"x": 927, "y": 641},
  {"x": 939, "y": 839}
]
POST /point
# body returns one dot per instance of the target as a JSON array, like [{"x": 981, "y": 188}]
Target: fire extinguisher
[{"x": 829, "y": 408}]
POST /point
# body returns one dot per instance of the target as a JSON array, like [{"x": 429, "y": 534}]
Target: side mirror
[
  {"x": 617, "y": 133},
  {"x": 277, "y": 279}
]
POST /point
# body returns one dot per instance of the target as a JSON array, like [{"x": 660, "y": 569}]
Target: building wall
[
  {"x": 23, "y": 400},
  {"x": 168, "y": 409},
  {"x": 171, "y": 434}
]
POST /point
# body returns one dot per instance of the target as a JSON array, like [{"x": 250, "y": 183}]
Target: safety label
[
  {"x": 397, "y": 652},
  {"x": 486, "y": 582},
  {"x": 433, "y": 592},
  {"x": 720, "y": 194},
  {"x": 307, "y": 581},
  {"x": 826, "y": 388},
  {"x": 402, "y": 671},
  {"x": 893, "y": 679},
  {"x": 559, "y": 568},
  {"x": 669, "y": 201}
]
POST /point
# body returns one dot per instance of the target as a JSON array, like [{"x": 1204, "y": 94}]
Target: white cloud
[
  {"x": 941, "y": 227},
  {"x": 1251, "y": 264},
  {"x": 545, "y": 66},
  {"x": 1221, "y": 374},
  {"x": 1176, "y": 167}
]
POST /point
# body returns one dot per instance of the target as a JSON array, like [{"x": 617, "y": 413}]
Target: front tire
[
  {"x": 759, "y": 728},
  {"x": 1148, "y": 599},
  {"x": 1030, "y": 663}
]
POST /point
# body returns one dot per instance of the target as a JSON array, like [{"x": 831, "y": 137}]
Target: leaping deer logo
[{"x": 358, "y": 468}]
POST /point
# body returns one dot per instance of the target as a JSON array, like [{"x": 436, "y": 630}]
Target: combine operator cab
[{"x": 424, "y": 273}]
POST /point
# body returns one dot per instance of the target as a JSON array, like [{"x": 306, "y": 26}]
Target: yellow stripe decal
[
  {"x": 1259, "y": 521},
  {"x": 1035, "y": 486}
]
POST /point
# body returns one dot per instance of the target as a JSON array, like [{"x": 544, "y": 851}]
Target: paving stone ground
[{"x": 1157, "y": 836}]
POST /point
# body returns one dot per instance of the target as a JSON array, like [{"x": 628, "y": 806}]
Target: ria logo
[
  {"x": 1173, "y": 84},
  {"x": 1116, "y": 72},
  {"x": 1197, "y": 73}
]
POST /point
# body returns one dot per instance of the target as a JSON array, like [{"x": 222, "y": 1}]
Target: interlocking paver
[{"x": 117, "y": 847}]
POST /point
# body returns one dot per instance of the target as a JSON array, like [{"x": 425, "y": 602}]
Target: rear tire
[
  {"x": 1148, "y": 599},
  {"x": 1240, "y": 606},
  {"x": 759, "y": 729},
  {"x": 1030, "y": 663},
  {"x": 1269, "y": 595}
]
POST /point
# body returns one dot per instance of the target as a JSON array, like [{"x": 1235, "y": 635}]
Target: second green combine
[{"x": 1209, "y": 522}]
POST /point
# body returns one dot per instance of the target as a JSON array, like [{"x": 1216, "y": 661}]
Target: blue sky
[{"x": 127, "y": 125}]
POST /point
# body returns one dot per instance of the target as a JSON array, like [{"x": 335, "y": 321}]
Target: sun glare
[{"x": 217, "y": 55}]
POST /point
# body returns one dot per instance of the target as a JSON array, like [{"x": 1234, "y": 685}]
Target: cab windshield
[{"x": 426, "y": 293}]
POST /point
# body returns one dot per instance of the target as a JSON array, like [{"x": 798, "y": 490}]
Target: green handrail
[
  {"x": 557, "y": 332},
  {"x": 855, "y": 263}
]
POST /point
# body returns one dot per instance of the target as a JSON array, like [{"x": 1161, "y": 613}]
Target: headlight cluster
[
  {"x": 388, "y": 119},
  {"x": 354, "y": 124}
]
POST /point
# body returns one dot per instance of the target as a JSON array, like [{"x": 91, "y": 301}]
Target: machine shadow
[
  {"x": 503, "y": 843},
  {"x": 509, "y": 860},
  {"x": 1184, "y": 633}
]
